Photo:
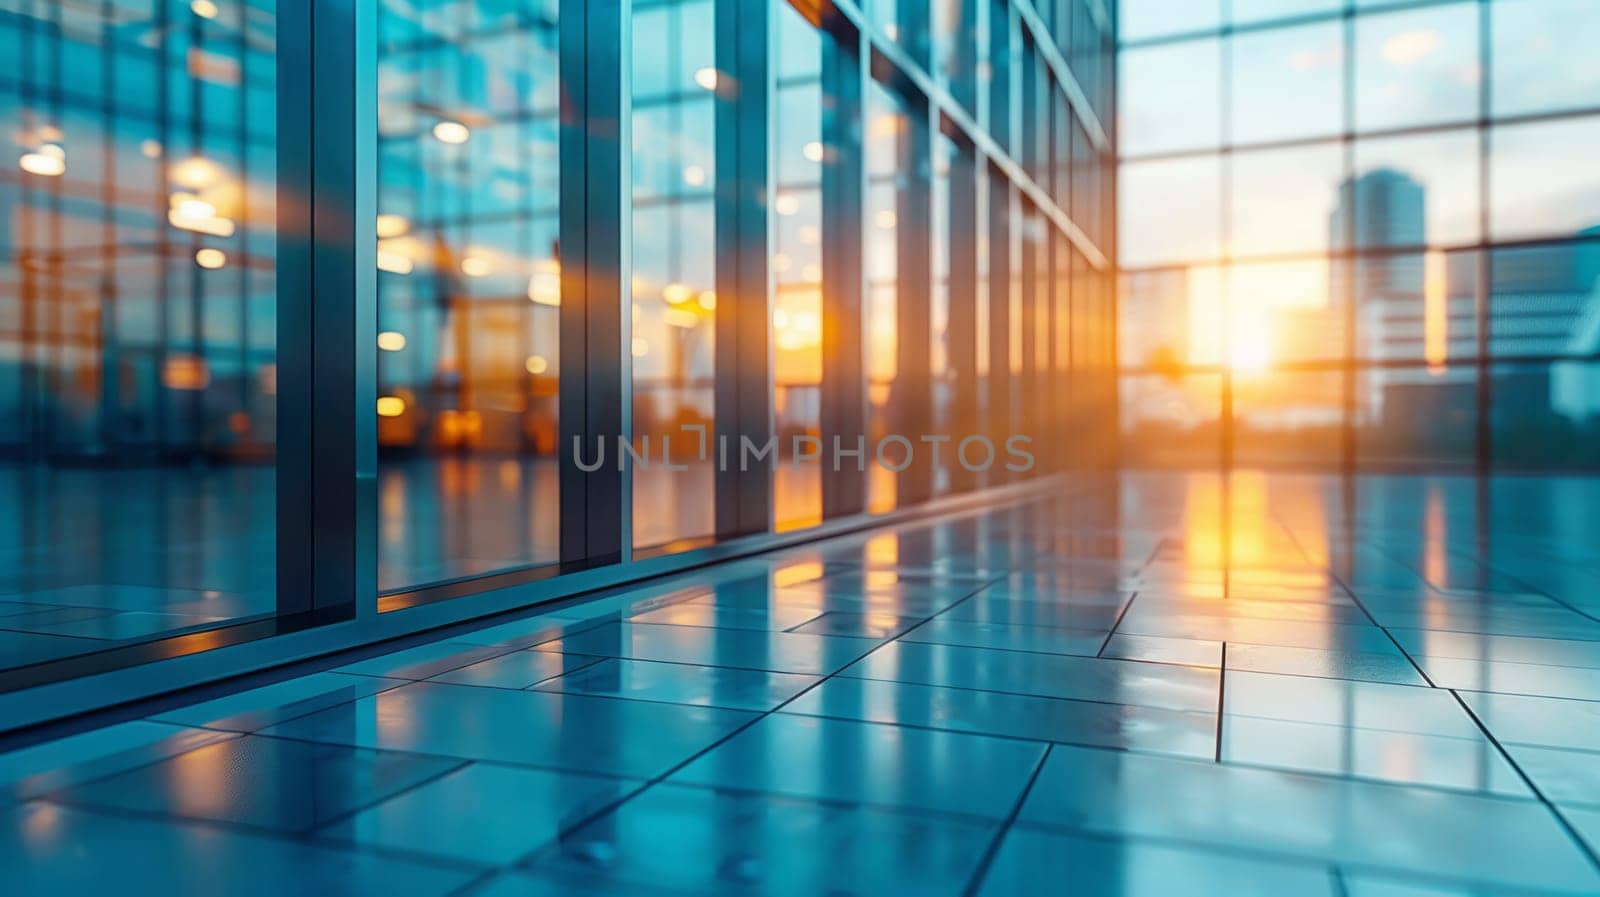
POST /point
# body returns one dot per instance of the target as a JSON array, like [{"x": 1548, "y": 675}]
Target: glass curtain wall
[
  {"x": 547, "y": 226},
  {"x": 469, "y": 289},
  {"x": 138, "y": 317},
  {"x": 1360, "y": 234}
]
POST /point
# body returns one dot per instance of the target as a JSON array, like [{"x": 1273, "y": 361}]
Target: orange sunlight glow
[{"x": 1435, "y": 312}]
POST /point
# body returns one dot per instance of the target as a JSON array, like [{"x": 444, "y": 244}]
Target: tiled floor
[{"x": 1276, "y": 686}]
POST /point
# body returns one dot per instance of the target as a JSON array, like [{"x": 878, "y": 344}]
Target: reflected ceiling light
[
  {"x": 150, "y": 149},
  {"x": 390, "y": 225},
  {"x": 393, "y": 262},
  {"x": 536, "y": 364},
  {"x": 680, "y": 317},
  {"x": 812, "y": 273},
  {"x": 391, "y": 341},
  {"x": 475, "y": 266},
  {"x": 210, "y": 259},
  {"x": 43, "y": 164},
  {"x": 787, "y": 204},
  {"x": 545, "y": 288},
  {"x": 812, "y": 151},
  {"x": 810, "y": 235},
  {"x": 452, "y": 132},
  {"x": 885, "y": 219},
  {"x": 391, "y": 406},
  {"x": 708, "y": 300},
  {"x": 706, "y": 77},
  {"x": 781, "y": 262},
  {"x": 641, "y": 347},
  {"x": 196, "y": 172},
  {"x": 675, "y": 293},
  {"x": 192, "y": 208},
  {"x": 694, "y": 176},
  {"x": 205, "y": 9}
]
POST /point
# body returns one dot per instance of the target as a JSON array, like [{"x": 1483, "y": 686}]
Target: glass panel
[
  {"x": 1417, "y": 307},
  {"x": 1411, "y": 191},
  {"x": 1416, "y": 417},
  {"x": 1152, "y": 18},
  {"x": 1284, "y": 200},
  {"x": 887, "y": 136},
  {"x": 1249, "y": 11},
  {"x": 1287, "y": 83},
  {"x": 1288, "y": 418},
  {"x": 1169, "y": 210},
  {"x": 797, "y": 268},
  {"x": 138, "y": 317},
  {"x": 1285, "y": 312},
  {"x": 1543, "y": 180},
  {"x": 1170, "y": 318},
  {"x": 1544, "y": 301},
  {"x": 468, "y": 291},
  {"x": 674, "y": 272},
  {"x": 1544, "y": 57},
  {"x": 1172, "y": 420},
  {"x": 1546, "y": 416},
  {"x": 1170, "y": 97},
  {"x": 1417, "y": 67},
  {"x": 942, "y": 378}
]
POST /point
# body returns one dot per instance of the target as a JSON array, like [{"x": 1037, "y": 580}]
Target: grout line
[
  {"x": 989, "y": 855},
  {"x": 1116, "y": 623},
  {"x": 1222, "y": 690},
  {"x": 1572, "y": 832}
]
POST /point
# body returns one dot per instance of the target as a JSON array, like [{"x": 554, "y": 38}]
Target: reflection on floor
[{"x": 1273, "y": 686}]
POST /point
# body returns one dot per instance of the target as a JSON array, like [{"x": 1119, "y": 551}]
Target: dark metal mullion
[
  {"x": 912, "y": 394},
  {"x": 743, "y": 361},
  {"x": 845, "y": 66},
  {"x": 327, "y": 307},
  {"x": 596, "y": 335},
  {"x": 961, "y": 328}
]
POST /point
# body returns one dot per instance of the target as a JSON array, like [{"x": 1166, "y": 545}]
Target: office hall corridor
[{"x": 1175, "y": 685}]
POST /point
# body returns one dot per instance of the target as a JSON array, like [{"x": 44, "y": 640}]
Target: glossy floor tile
[{"x": 1291, "y": 686}]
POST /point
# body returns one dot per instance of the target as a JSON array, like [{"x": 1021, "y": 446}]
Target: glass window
[
  {"x": 1543, "y": 55},
  {"x": 138, "y": 323},
  {"x": 1171, "y": 420},
  {"x": 1542, "y": 178},
  {"x": 1140, "y": 19},
  {"x": 1417, "y": 307},
  {"x": 1423, "y": 417},
  {"x": 674, "y": 272},
  {"x": 1544, "y": 301},
  {"x": 1411, "y": 191},
  {"x": 1285, "y": 312},
  {"x": 1417, "y": 67},
  {"x": 797, "y": 267},
  {"x": 887, "y": 144},
  {"x": 1245, "y": 12},
  {"x": 1545, "y": 416},
  {"x": 1287, "y": 83},
  {"x": 1170, "y": 318},
  {"x": 1284, "y": 199},
  {"x": 1288, "y": 419},
  {"x": 468, "y": 293},
  {"x": 1169, "y": 97},
  {"x": 1169, "y": 210}
]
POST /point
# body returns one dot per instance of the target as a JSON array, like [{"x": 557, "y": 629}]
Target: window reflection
[
  {"x": 674, "y": 276},
  {"x": 138, "y": 318},
  {"x": 887, "y": 148},
  {"x": 1170, "y": 97},
  {"x": 469, "y": 281},
  {"x": 1543, "y": 56},
  {"x": 797, "y": 267},
  {"x": 1287, "y": 83},
  {"x": 1417, "y": 67}
]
